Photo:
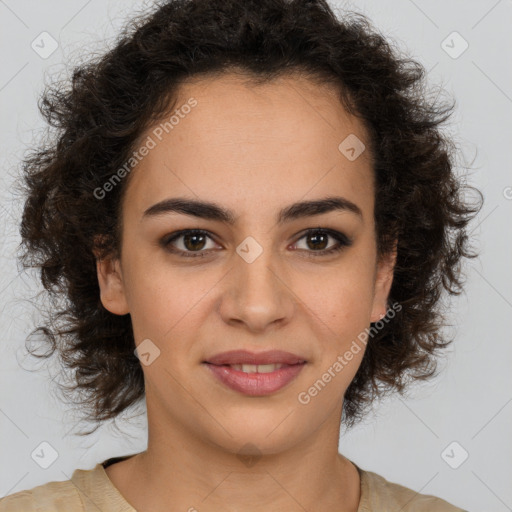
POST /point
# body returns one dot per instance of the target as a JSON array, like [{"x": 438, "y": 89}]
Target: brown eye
[
  {"x": 194, "y": 242},
  {"x": 317, "y": 241},
  {"x": 189, "y": 241}
]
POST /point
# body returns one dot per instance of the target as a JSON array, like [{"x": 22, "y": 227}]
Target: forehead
[{"x": 248, "y": 146}]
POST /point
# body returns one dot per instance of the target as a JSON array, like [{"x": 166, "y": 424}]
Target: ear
[
  {"x": 112, "y": 288},
  {"x": 383, "y": 282}
]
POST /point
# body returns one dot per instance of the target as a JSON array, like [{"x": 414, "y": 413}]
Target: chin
[{"x": 265, "y": 435}]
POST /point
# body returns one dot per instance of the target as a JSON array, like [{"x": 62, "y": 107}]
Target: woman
[{"x": 252, "y": 213}]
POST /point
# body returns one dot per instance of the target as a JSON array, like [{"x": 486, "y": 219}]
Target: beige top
[{"x": 92, "y": 491}]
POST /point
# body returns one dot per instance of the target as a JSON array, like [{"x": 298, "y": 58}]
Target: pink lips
[{"x": 255, "y": 384}]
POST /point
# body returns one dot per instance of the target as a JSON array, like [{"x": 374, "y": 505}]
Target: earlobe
[{"x": 110, "y": 280}]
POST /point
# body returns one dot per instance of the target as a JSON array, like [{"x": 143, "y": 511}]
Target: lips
[
  {"x": 255, "y": 374},
  {"x": 244, "y": 357},
  {"x": 255, "y": 383}
]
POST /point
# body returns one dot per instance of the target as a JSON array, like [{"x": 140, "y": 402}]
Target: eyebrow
[{"x": 212, "y": 211}]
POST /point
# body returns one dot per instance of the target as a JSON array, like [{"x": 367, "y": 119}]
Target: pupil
[
  {"x": 194, "y": 245},
  {"x": 315, "y": 238}
]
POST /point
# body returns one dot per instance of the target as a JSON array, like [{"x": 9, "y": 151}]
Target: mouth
[{"x": 255, "y": 374}]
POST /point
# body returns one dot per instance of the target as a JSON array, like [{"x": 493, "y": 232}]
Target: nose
[{"x": 257, "y": 294}]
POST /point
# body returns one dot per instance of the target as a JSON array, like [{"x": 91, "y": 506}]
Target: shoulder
[
  {"x": 378, "y": 494},
  {"x": 88, "y": 490},
  {"x": 53, "y": 496}
]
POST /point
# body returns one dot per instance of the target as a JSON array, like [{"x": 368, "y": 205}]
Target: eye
[
  {"x": 319, "y": 238},
  {"x": 193, "y": 242}
]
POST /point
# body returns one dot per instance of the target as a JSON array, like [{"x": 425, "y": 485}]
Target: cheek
[
  {"x": 340, "y": 298},
  {"x": 164, "y": 299}
]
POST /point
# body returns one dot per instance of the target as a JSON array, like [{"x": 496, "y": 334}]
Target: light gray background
[{"x": 403, "y": 439}]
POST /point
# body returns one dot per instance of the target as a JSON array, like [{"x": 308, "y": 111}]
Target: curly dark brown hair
[{"x": 99, "y": 116}]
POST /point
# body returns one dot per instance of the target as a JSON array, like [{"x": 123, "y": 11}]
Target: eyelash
[{"x": 343, "y": 241}]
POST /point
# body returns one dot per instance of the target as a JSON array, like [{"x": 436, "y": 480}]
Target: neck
[{"x": 183, "y": 471}]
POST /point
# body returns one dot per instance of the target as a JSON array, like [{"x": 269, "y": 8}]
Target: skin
[{"x": 254, "y": 150}]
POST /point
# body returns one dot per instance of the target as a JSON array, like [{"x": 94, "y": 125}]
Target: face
[{"x": 256, "y": 280}]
